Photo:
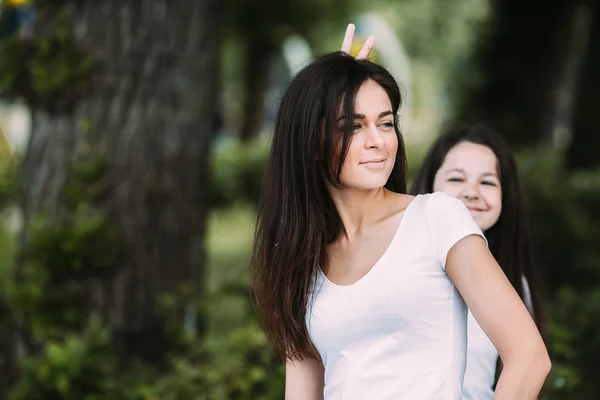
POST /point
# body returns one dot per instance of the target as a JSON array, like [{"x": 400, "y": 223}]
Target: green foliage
[
  {"x": 236, "y": 173},
  {"x": 565, "y": 223},
  {"x": 8, "y": 183},
  {"x": 439, "y": 36},
  {"x": 75, "y": 358},
  {"x": 272, "y": 20},
  {"x": 7, "y": 251},
  {"x": 64, "y": 258},
  {"x": 233, "y": 360},
  {"x": 565, "y": 217},
  {"x": 438, "y": 32},
  {"x": 76, "y": 367},
  {"x": 87, "y": 182},
  {"x": 87, "y": 246},
  {"x": 57, "y": 256},
  {"x": 49, "y": 73},
  {"x": 239, "y": 365}
]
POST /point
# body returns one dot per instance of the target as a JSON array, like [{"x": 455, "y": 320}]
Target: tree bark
[
  {"x": 522, "y": 61},
  {"x": 257, "y": 62},
  {"x": 149, "y": 116},
  {"x": 583, "y": 151},
  {"x": 8, "y": 372}
]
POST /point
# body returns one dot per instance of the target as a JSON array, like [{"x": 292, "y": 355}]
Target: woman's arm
[
  {"x": 503, "y": 317},
  {"x": 304, "y": 380}
]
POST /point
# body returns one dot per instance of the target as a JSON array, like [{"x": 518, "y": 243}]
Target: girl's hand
[{"x": 347, "y": 44}]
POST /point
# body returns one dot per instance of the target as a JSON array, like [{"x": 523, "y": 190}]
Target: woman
[
  {"x": 359, "y": 285},
  {"x": 474, "y": 164}
]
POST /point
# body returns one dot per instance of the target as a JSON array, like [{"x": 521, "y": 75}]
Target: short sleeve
[{"x": 449, "y": 221}]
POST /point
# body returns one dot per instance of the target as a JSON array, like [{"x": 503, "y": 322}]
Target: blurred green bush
[
  {"x": 236, "y": 173},
  {"x": 565, "y": 219},
  {"x": 77, "y": 367}
]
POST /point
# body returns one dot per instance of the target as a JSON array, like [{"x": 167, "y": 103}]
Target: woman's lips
[
  {"x": 475, "y": 209},
  {"x": 375, "y": 163}
]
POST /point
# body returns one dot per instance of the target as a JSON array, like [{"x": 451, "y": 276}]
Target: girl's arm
[
  {"x": 503, "y": 317},
  {"x": 347, "y": 43}
]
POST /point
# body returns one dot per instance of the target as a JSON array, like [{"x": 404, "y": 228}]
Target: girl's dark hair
[
  {"x": 296, "y": 216},
  {"x": 509, "y": 239}
]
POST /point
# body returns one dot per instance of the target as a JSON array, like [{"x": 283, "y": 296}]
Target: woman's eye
[
  {"x": 489, "y": 183},
  {"x": 356, "y": 127},
  {"x": 388, "y": 125},
  {"x": 455, "y": 180}
]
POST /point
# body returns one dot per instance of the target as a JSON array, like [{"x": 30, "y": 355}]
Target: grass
[{"x": 229, "y": 241}]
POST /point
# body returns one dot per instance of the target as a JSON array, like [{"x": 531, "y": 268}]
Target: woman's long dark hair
[
  {"x": 296, "y": 216},
  {"x": 509, "y": 239}
]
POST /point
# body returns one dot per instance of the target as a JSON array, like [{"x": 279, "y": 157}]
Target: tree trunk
[
  {"x": 583, "y": 152},
  {"x": 258, "y": 58},
  {"x": 149, "y": 117},
  {"x": 8, "y": 372},
  {"x": 522, "y": 61}
]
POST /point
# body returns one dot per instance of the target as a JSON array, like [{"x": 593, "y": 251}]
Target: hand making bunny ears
[{"x": 347, "y": 44}]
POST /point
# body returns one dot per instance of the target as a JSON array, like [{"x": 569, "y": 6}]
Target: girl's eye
[
  {"x": 455, "y": 180},
  {"x": 489, "y": 183},
  {"x": 357, "y": 127},
  {"x": 388, "y": 125}
]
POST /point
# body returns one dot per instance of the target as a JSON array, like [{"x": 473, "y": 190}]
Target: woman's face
[
  {"x": 470, "y": 173},
  {"x": 372, "y": 151}
]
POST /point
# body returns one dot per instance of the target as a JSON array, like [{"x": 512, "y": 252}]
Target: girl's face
[
  {"x": 372, "y": 152},
  {"x": 470, "y": 173}
]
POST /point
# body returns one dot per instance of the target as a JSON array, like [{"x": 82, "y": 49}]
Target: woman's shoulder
[
  {"x": 432, "y": 203},
  {"x": 448, "y": 220},
  {"x": 439, "y": 203},
  {"x": 445, "y": 211},
  {"x": 441, "y": 199},
  {"x": 425, "y": 202},
  {"x": 433, "y": 207}
]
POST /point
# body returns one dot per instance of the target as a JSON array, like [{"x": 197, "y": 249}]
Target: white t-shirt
[
  {"x": 400, "y": 332},
  {"x": 482, "y": 358}
]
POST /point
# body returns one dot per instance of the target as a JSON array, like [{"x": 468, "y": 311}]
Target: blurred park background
[{"x": 133, "y": 136}]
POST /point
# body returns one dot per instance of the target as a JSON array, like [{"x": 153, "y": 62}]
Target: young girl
[
  {"x": 359, "y": 285},
  {"x": 474, "y": 165}
]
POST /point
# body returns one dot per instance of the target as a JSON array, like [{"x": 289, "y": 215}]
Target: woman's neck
[{"x": 359, "y": 209}]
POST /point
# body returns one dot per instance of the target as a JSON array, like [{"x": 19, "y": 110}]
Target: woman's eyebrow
[{"x": 363, "y": 116}]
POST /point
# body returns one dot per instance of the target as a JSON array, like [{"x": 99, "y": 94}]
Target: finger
[
  {"x": 347, "y": 44},
  {"x": 366, "y": 49}
]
